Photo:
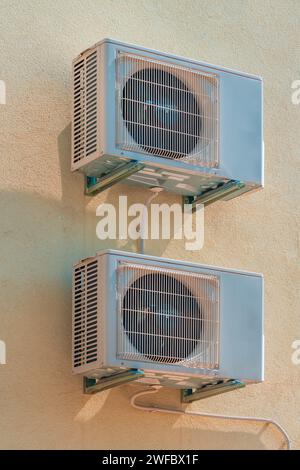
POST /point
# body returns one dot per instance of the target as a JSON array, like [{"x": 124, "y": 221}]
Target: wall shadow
[
  {"x": 73, "y": 186},
  {"x": 41, "y": 238}
]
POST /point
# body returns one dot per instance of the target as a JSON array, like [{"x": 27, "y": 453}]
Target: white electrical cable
[
  {"x": 155, "y": 409},
  {"x": 155, "y": 191}
]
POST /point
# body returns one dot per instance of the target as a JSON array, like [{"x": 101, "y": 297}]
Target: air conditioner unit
[
  {"x": 195, "y": 128},
  {"x": 180, "y": 323}
]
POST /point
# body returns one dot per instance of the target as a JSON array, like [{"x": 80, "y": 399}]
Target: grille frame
[
  {"x": 207, "y": 358},
  {"x": 198, "y": 84}
]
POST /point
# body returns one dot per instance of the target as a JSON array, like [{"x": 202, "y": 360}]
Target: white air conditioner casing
[
  {"x": 193, "y": 126},
  {"x": 177, "y": 321}
]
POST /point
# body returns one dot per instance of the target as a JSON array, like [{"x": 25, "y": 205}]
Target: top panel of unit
[
  {"x": 125, "y": 254},
  {"x": 167, "y": 55}
]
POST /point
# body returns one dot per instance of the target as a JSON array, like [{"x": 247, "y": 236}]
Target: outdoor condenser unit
[
  {"x": 180, "y": 323},
  {"x": 165, "y": 121}
]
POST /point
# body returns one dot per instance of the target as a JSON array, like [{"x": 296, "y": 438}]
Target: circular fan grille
[
  {"x": 161, "y": 114},
  {"x": 161, "y": 318}
]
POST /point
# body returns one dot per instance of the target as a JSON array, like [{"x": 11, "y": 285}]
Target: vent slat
[
  {"x": 85, "y": 314},
  {"x": 85, "y": 103}
]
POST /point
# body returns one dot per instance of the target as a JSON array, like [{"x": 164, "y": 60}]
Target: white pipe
[
  {"x": 155, "y": 191},
  {"x": 155, "y": 409}
]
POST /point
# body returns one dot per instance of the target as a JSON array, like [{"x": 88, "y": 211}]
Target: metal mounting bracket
[
  {"x": 210, "y": 389},
  {"x": 213, "y": 195},
  {"x": 95, "y": 385},
  {"x": 94, "y": 184}
]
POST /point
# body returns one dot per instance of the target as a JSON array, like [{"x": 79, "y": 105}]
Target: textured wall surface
[{"x": 46, "y": 222}]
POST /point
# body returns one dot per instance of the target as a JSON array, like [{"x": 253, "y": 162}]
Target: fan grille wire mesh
[
  {"x": 167, "y": 110},
  {"x": 168, "y": 316}
]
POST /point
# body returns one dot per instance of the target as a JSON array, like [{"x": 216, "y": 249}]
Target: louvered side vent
[
  {"x": 85, "y": 107},
  {"x": 167, "y": 110},
  {"x": 168, "y": 316},
  {"x": 85, "y": 314}
]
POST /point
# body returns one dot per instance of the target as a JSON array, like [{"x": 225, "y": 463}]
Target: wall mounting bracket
[
  {"x": 94, "y": 184},
  {"x": 213, "y": 195},
  {"x": 94, "y": 385},
  {"x": 210, "y": 389}
]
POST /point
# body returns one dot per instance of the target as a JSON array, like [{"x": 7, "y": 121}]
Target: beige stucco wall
[{"x": 46, "y": 222}]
